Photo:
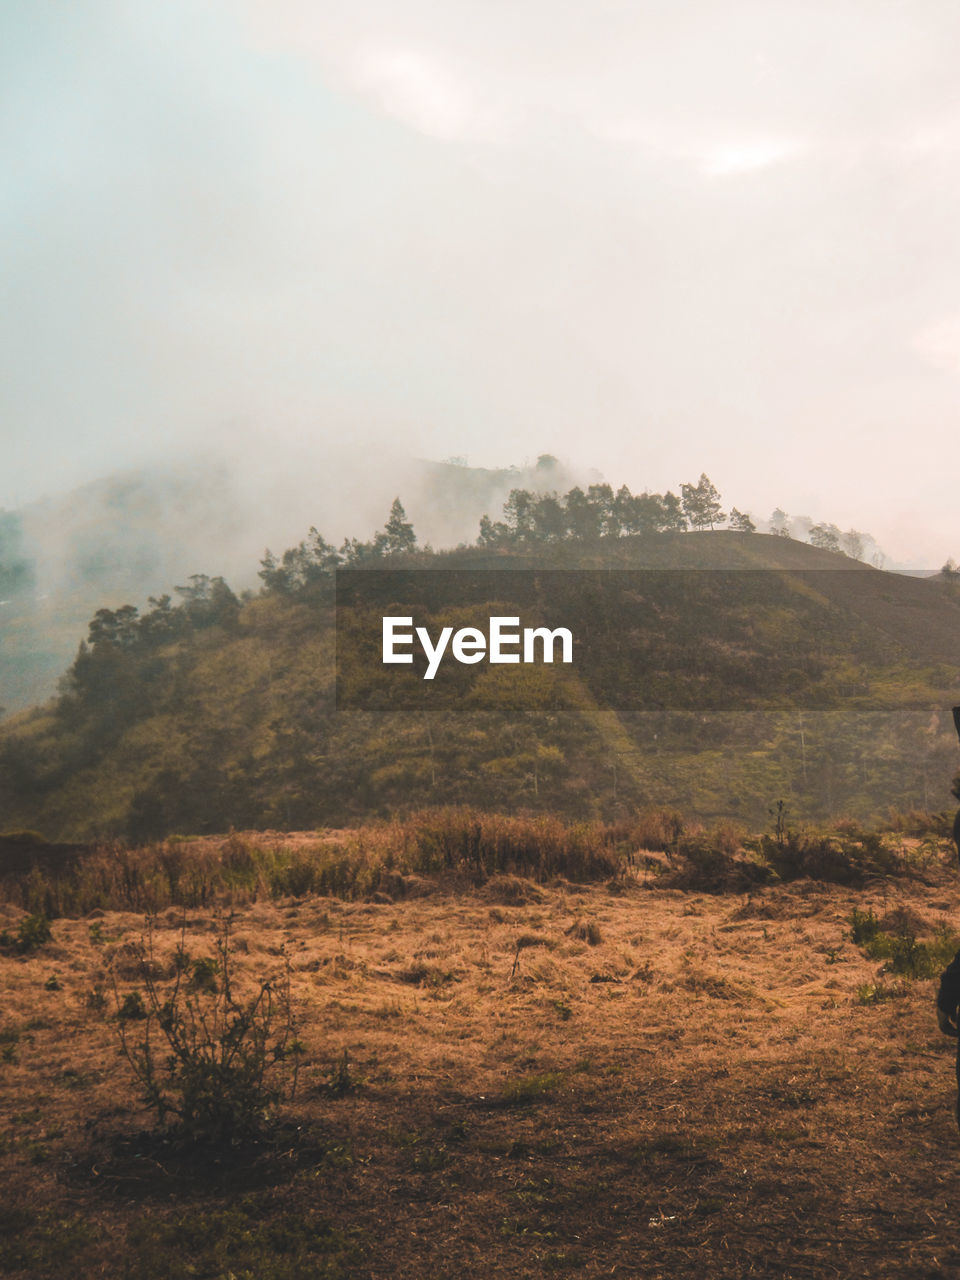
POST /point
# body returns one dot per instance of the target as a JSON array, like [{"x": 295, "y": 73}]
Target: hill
[{"x": 220, "y": 711}]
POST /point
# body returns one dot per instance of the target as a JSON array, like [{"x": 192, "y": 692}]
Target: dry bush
[
  {"x": 403, "y": 858},
  {"x": 214, "y": 1060},
  {"x": 538, "y": 846},
  {"x": 586, "y": 931},
  {"x": 511, "y": 891},
  {"x": 658, "y": 829},
  {"x": 918, "y": 822}
]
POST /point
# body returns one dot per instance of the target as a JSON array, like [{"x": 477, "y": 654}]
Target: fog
[
  {"x": 653, "y": 241},
  {"x": 143, "y": 532}
]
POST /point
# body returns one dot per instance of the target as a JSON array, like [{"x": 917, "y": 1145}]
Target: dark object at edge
[{"x": 948, "y": 1003}]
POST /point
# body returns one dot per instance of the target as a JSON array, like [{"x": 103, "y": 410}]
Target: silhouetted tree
[
  {"x": 825, "y": 536},
  {"x": 852, "y": 544},
  {"x": 399, "y": 532},
  {"x": 641, "y": 513},
  {"x": 584, "y": 520},
  {"x": 608, "y": 518},
  {"x": 311, "y": 561},
  {"x": 549, "y": 519},
  {"x": 701, "y": 503},
  {"x": 779, "y": 523},
  {"x": 672, "y": 517},
  {"x": 208, "y": 601},
  {"x": 492, "y": 534},
  {"x": 740, "y": 522},
  {"x": 518, "y": 514}
]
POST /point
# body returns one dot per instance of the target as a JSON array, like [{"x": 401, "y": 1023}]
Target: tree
[
  {"x": 518, "y": 511},
  {"x": 825, "y": 536},
  {"x": 601, "y": 496},
  {"x": 161, "y": 622},
  {"x": 111, "y": 627},
  {"x": 852, "y": 543},
  {"x": 207, "y": 601},
  {"x": 272, "y": 573},
  {"x": 779, "y": 523},
  {"x": 549, "y": 519},
  {"x": 399, "y": 532},
  {"x": 642, "y": 513},
  {"x": 583, "y": 516},
  {"x": 313, "y": 560},
  {"x": 672, "y": 512},
  {"x": 623, "y": 511},
  {"x": 354, "y": 552},
  {"x": 701, "y": 503},
  {"x": 740, "y": 522},
  {"x": 492, "y": 534}
]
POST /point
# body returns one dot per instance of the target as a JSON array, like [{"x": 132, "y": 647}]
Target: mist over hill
[
  {"x": 220, "y": 710},
  {"x": 136, "y": 534}
]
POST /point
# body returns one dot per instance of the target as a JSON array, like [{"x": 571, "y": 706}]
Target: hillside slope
[{"x": 221, "y": 713}]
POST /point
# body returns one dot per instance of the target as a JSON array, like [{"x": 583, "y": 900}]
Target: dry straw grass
[
  {"x": 391, "y": 859},
  {"x": 512, "y": 1076}
]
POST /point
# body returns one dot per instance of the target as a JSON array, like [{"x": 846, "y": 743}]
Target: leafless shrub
[{"x": 214, "y": 1061}]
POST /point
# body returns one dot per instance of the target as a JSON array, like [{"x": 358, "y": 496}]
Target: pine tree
[{"x": 399, "y": 531}]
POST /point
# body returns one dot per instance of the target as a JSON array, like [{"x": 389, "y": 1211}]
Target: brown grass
[
  {"x": 387, "y": 858},
  {"x": 397, "y": 859},
  {"x": 571, "y": 1080}
]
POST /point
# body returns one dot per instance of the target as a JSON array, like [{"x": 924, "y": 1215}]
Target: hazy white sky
[{"x": 655, "y": 239}]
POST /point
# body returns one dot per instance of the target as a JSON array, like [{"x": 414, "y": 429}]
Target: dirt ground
[{"x": 516, "y": 1080}]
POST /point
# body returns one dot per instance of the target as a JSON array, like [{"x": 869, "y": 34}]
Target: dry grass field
[{"x": 513, "y": 1079}]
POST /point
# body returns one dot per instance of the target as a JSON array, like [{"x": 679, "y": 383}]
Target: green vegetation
[
  {"x": 131, "y": 1008},
  {"x": 33, "y": 932},
  {"x": 218, "y": 712},
  {"x": 531, "y": 1088},
  {"x": 899, "y": 947},
  {"x": 878, "y": 992}
]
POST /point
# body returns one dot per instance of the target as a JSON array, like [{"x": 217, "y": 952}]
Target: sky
[{"x": 655, "y": 240}]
